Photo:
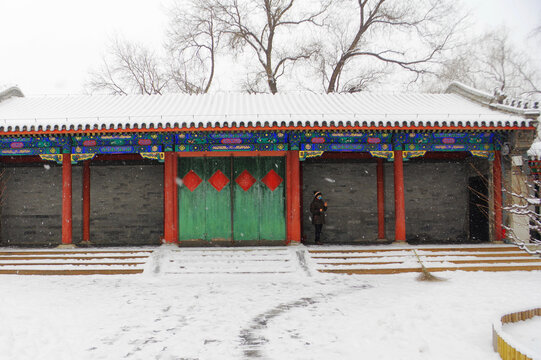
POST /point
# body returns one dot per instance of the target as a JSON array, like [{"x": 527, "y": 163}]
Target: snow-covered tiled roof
[{"x": 242, "y": 111}]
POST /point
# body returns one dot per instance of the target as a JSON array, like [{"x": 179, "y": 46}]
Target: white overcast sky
[{"x": 49, "y": 46}]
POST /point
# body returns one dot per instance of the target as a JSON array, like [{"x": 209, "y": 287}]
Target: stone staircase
[
  {"x": 402, "y": 259},
  {"x": 255, "y": 260},
  {"x": 73, "y": 262}
]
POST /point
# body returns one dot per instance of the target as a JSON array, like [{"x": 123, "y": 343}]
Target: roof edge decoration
[
  {"x": 461, "y": 109},
  {"x": 10, "y": 92},
  {"x": 524, "y": 107}
]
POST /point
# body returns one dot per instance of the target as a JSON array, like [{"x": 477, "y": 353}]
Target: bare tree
[
  {"x": 269, "y": 28},
  {"x": 491, "y": 62},
  {"x": 129, "y": 68},
  {"x": 370, "y": 38},
  {"x": 193, "y": 41}
]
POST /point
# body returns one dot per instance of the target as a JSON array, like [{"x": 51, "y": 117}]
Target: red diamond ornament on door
[
  {"x": 191, "y": 180},
  {"x": 218, "y": 180},
  {"x": 245, "y": 180},
  {"x": 272, "y": 180}
]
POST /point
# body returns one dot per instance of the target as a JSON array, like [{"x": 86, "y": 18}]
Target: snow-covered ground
[{"x": 297, "y": 315}]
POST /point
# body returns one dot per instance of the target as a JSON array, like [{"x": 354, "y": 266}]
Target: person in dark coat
[{"x": 318, "y": 208}]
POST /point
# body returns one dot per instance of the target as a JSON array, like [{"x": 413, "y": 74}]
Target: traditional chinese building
[{"x": 239, "y": 169}]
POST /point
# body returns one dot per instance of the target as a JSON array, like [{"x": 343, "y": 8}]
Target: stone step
[
  {"x": 231, "y": 261},
  {"x": 73, "y": 262},
  {"x": 394, "y": 260},
  {"x": 430, "y": 269},
  {"x": 459, "y": 249},
  {"x": 70, "y": 272}
]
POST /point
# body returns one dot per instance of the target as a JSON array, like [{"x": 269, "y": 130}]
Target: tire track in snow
[{"x": 251, "y": 339}]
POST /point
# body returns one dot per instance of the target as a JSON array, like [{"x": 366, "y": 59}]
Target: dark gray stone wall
[
  {"x": 31, "y": 206},
  {"x": 126, "y": 205},
  {"x": 436, "y": 196},
  {"x": 350, "y": 188}
]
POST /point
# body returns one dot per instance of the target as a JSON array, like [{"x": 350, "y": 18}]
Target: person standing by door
[{"x": 318, "y": 208}]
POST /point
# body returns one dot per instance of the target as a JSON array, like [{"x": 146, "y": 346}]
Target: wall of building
[
  {"x": 126, "y": 205},
  {"x": 436, "y": 195},
  {"x": 350, "y": 188},
  {"x": 31, "y": 205}
]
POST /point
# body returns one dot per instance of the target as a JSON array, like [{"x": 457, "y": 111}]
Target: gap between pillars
[
  {"x": 66, "y": 200},
  {"x": 381, "y": 199},
  {"x": 86, "y": 201}
]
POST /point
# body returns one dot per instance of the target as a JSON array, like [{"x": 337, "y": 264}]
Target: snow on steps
[
  {"x": 252, "y": 260},
  {"x": 73, "y": 262},
  {"x": 393, "y": 259}
]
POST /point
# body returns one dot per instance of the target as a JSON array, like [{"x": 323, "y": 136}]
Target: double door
[{"x": 226, "y": 199}]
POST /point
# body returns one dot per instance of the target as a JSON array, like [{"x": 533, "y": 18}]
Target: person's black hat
[{"x": 317, "y": 193}]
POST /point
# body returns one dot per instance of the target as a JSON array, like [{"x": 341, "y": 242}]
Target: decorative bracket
[
  {"x": 160, "y": 156},
  {"x": 81, "y": 157},
  {"x": 484, "y": 154},
  {"x": 389, "y": 155},
  {"x": 303, "y": 155},
  {"x": 52, "y": 157},
  {"x": 412, "y": 154}
]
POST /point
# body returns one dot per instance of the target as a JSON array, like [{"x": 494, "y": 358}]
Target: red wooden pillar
[
  {"x": 175, "y": 197},
  {"x": 168, "y": 200},
  {"x": 497, "y": 180},
  {"x": 293, "y": 195},
  {"x": 399, "y": 203},
  {"x": 381, "y": 199},
  {"x": 86, "y": 201},
  {"x": 66, "y": 200}
]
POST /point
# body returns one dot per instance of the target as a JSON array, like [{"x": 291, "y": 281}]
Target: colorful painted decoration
[
  {"x": 245, "y": 180},
  {"x": 218, "y": 180},
  {"x": 272, "y": 180},
  {"x": 191, "y": 180}
]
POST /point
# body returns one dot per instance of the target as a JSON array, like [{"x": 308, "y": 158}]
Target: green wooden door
[
  {"x": 240, "y": 199},
  {"x": 259, "y": 199},
  {"x": 218, "y": 199},
  {"x": 205, "y": 199},
  {"x": 272, "y": 220},
  {"x": 192, "y": 199},
  {"x": 246, "y": 192}
]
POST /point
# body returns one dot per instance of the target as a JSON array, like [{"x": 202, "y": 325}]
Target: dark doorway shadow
[{"x": 478, "y": 209}]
